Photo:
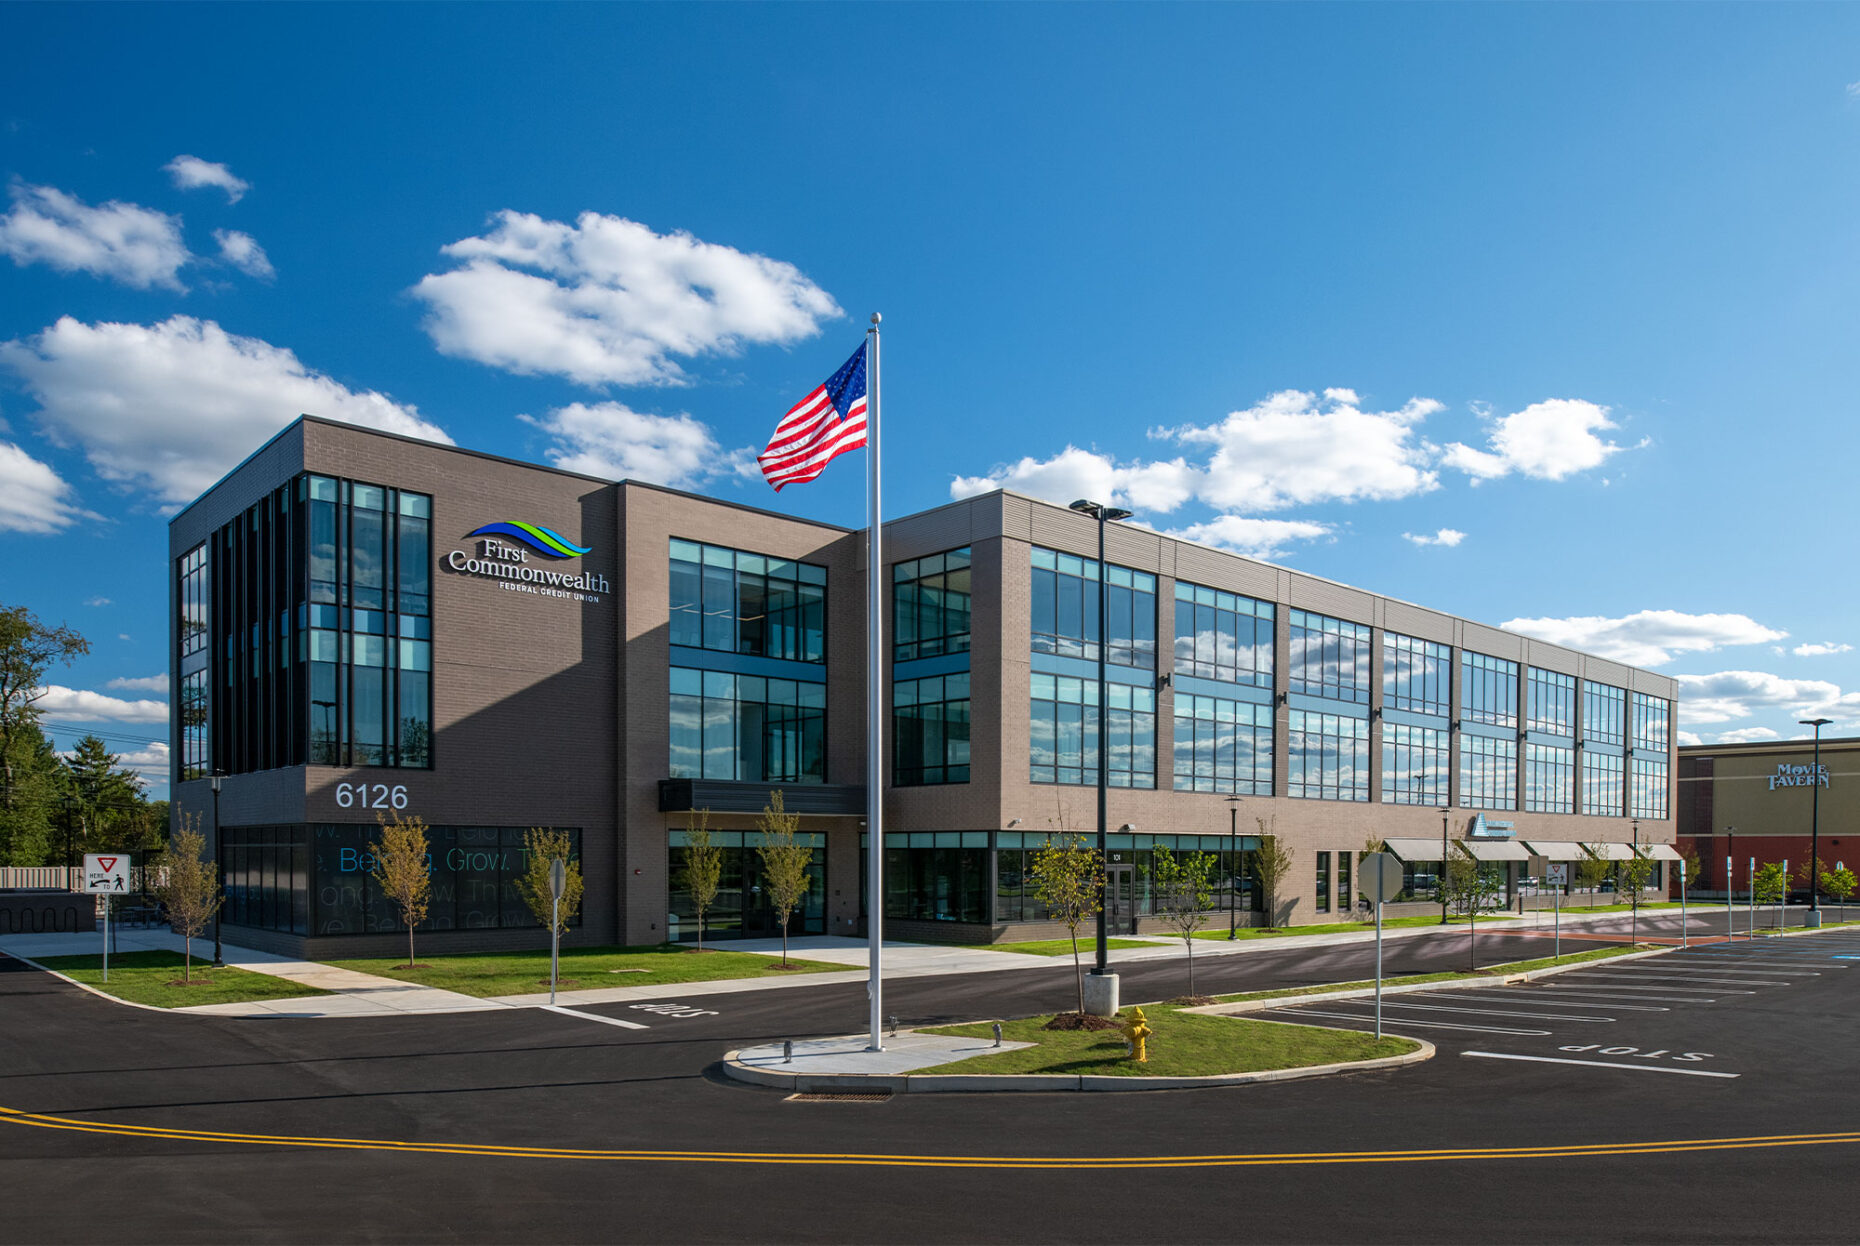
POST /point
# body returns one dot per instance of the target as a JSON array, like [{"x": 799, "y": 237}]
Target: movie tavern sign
[{"x": 1799, "y": 776}]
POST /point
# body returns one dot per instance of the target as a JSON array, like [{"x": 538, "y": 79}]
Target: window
[
  {"x": 1064, "y": 735},
  {"x": 474, "y": 869},
  {"x": 1549, "y": 779},
  {"x": 1131, "y": 726},
  {"x": 1488, "y": 773},
  {"x": 1323, "y": 882},
  {"x": 1222, "y": 636},
  {"x": 1415, "y": 764},
  {"x": 1222, "y": 746},
  {"x": 930, "y": 606},
  {"x": 1604, "y": 714},
  {"x": 1346, "y": 897},
  {"x": 1065, "y": 610},
  {"x": 733, "y": 601},
  {"x": 1329, "y": 657},
  {"x": 930, "y": 730},
  {"x": 1488, "y": 690},
  {"x": 1235, "y": 881},
  {"x": 1647, "y": 791},
  {"x": 746, "y": 727},
  {"x": 1603, "y": 782},
  {"x": 937, "y": 876},
  {"x": 741, "y": 909},
  {"x": 1649, "y": 726},
  {"x": 1552, "y": 703},
  {"x": 1416, "y": 675},
  {"x": 1329, "y": 756}
]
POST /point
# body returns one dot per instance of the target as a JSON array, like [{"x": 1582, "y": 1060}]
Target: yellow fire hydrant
[{"x": 1138, "y": 1031}]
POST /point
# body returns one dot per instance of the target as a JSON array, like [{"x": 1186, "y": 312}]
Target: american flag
[{"x": 827, "y": 423}]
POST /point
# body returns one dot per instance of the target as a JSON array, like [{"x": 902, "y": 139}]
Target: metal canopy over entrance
[
  {"x": 1663, "y": 852},
  {"x": 1612, "y": 852},
  {"x": 1411, "y": 850},
  {"x": 1557, "y": 850},
  {"x": 1494, "y": 850}
]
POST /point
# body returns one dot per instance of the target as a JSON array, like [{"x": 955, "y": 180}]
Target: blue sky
[{"x": 1542, "y": 315}]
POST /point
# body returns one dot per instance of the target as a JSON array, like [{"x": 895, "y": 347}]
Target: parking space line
[
  {"x": 1541, "y": 1001},
  {"x": 1499, "y": 1012},
  {"x": 1599, "y": 1064},
  {"x": 1612, "y": 993},
  {"x": 592, "y": 1016},
  {"x": 1733, "y": 977},
  {"x": 1658, "y": 986},
  {"x": 1426, "y": 1025}
]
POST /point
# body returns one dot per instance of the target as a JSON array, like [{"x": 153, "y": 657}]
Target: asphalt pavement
[{"x": 531, "y": 1125}]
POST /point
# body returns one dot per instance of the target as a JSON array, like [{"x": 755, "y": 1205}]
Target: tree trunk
[
  {"x": 410, "y": 945},
  {"x": 187, "y": 958},
  {"x": 1078, "y": 972},
  {"x": 1191, "y": 964},
  {"x": 700, "y": 931},
  {"x": 784, "y": 940}
]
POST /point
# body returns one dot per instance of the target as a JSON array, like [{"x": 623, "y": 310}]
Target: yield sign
[{"x": 109, "y": 874}]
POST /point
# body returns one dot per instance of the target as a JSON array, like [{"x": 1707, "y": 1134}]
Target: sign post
[
  {"x": 1730, "y": 899},
  {"x": 106, "y": 876},
  {"x": 1556, "y": 875},
  {"x": 558, "y": 880},
  {"x": 1782, "y": 899},
  {"x": 1380, "y": 873},
  {"x": 1751, "y": 882},
  {"x": 1683, "y": 943}
]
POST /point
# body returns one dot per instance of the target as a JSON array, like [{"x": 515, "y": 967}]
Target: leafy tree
[
  {"x": 1695, "y": 867},
  {"x": 542, "y": 848},
  {"x": 1068, "y": 880},
  {"x": 703, "y": 866},
  {"x": 1467, "y": 888},
  {"x": 1272, "y": 861},
  {"x": 189, "y": 889},
  {"x": 106, "y": 800},
  {"x": 1811, "y": 873},
  {"x": 1184, "y": 894},
  {"x": 1839, "y": 883},
  {"x": 1770, "y": 884},
  {"x": 1591, "y": 873},
  {"x": 403, "y": 870},
  {"x": 30, "y": 809},
  {"x": 28, "y": 648},
  {"x": 1632, "y": 883},
  {"x": 784, "y": 863}
]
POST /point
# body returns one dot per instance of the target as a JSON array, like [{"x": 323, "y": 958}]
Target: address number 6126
[{"x": 371, "y": 795}]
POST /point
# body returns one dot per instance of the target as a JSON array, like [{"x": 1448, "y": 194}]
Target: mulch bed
[
  {"x": 782, "y": 964},
  {"x": 1081, "y": 1021}
]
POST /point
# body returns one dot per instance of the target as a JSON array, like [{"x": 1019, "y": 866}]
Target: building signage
[
  {"x": 1798, "y": 776},
  {"x": 1484, "y": 828},
  {"x": 509, "y": 561}
]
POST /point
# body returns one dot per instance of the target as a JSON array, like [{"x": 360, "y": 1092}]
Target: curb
[
  {"x": 967, "y": 1083},
  {"x": 114, "y": 999}
]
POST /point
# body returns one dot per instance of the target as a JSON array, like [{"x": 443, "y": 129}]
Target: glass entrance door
[{"x": 1120, "y": 899}]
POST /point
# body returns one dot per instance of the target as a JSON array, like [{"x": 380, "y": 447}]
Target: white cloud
[
  {"x": 243, "y": 253},
  {"x": 1294, "y": 449},
  {"x": 140, "y": 683},
  {"x": 1547, "y": 440},
  {"x": 1650, "y": 637},
  {"x": 1730, "y": 695},
  {"x": 137, "y": 246},
  {"x": 1820, "y": 651},
  {"x": 1853, "y": 90},
  {"x": 1448, "y": 537},
  {"x": 191, "y": 173},
  {"x": 1255, "y": 538},
  {"x": 1074, "y": 473},
  {"x": 611, "y": 440},
  {"x": 1746, "y": 735},
  {"x": 172, "y": 407},
  {"x": 33, "y": 497},
  {"x": 607, "y": 301},
  {"x": 150, "y": 763},
  {"x": 1687, "y": 739},
  {"x": 98, "y": 601},
  {"x": 57, "y": 701}
]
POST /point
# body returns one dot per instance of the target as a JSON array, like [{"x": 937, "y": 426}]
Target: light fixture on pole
[
  {"x": 218, "y": 856},
  {"x": 1233, "y": 846},
  {"x": 1103, "y": 514},
  {"x": 1446, "y": 812},
  {"x": 1814, "y": 828}
]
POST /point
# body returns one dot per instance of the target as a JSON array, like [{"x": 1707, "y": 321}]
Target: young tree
[
  {"x": 1591, "y": 873},
  {"x": 1068, "y": 880},
  {"x": 784, "y": 863},
  {"x": 1771, "y": 884},
  {"x": 1468, "y": 889},
  {"x": 403, "y": 871},
  {"x": 189, "y": 888},
  {"x": 703, "y": 867},
  {"x": 1839, "y": 883},
  {"x": 1184, "y": 889},
  {"x": 1272, "y": 862},
  {"x": 542, "y": 848},
  {"x": 1632, "y": 883},
  {"x": 1695, "y": 869}
]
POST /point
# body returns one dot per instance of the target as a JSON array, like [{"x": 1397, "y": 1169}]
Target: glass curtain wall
[
  {"x": 931, "y": 606},
  {"x": 741, "y": 909},
  {"x": 747, "y": 727},
  {"x": 733, "y": 601},
  {"x": 930, "y": 730}
]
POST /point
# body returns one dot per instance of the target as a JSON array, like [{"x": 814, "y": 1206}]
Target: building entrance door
[{"x": 1120, "y": 899}]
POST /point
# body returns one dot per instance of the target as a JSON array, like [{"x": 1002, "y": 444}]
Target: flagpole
[{"x": 875, "y": 579}]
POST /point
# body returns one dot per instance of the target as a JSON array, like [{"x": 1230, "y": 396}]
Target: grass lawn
[
  {"x": 1057, "y": 947},
  {"x": 1183, "y": 1045},
  {"x": 1388, "y": 923},
  {"x": 527, "y": 973},
  {"x": 143, "y": 978},
  {"x": 1490, "y": 971}
]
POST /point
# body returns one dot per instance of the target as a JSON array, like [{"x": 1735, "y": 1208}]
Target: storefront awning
[
  {"x": 1410, "y": 850},
  {"x": 1662, "y": 852},
  {"x": 1557, "y": 850},
  {"x": 1612, "y": 852},
  {"x": 1494, "y": 850}
]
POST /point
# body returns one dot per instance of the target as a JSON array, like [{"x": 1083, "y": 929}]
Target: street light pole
[
  {"x": 1814, "y": 828},
  {"x": 219, "y": 881},
  {"x": 1233, "y": 844},
  {"x": 1103, "y": 514},
  {"x": 1446, "y": 811}
]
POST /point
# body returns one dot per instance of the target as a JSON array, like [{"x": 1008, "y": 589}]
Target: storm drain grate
[{"x": 839, "y": 1096}]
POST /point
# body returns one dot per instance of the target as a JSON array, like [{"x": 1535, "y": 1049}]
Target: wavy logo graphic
[{"x": 545, "y": 541}]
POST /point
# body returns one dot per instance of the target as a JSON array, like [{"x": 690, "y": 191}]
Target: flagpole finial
[{"x": 876, "y": 317}]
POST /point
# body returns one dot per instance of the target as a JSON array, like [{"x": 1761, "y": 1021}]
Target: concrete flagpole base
[{"x": 1101, "y": 994}]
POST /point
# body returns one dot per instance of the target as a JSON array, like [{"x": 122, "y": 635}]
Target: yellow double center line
[{"x": 37, "y": 1121}]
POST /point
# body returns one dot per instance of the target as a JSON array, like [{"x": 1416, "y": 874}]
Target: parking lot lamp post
[
  {"x": 219, "y": 855},
  {"x": 1446, "y": 811},
  {"x": 1814, "y": 827},
  {"x": 1103, "y": 514},
  {"x": 1233, "y": 838}
]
